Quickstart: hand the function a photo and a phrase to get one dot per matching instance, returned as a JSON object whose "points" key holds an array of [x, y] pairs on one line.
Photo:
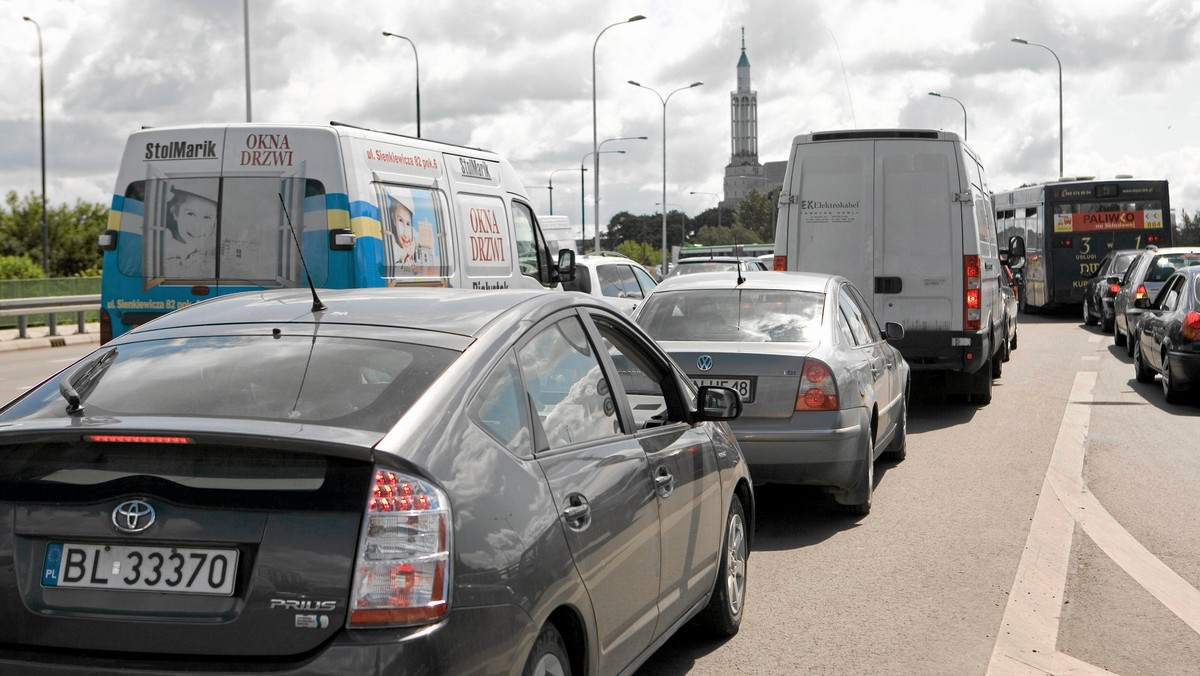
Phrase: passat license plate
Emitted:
{"points": [[138, 568], [743, 386]]}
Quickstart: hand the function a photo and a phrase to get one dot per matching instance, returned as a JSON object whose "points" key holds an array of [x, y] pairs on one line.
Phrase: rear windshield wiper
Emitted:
{"points": [[81, 383]]}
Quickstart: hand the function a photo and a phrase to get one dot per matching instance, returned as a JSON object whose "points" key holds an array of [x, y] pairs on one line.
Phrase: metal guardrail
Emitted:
{"points": [[23, 308]]}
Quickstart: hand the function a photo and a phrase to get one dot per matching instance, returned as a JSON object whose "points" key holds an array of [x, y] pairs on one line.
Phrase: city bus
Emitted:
{"points": [[202, 211], [1069, 226], [739, 250]]}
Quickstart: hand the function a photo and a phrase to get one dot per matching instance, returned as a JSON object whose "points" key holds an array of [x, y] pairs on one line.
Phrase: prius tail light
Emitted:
{"points": [[1140, 292], [401, 576], [818, 388], [972, 288]]}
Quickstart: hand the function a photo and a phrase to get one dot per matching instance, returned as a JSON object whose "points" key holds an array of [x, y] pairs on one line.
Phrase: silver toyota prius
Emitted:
{"points": [[824, 392], [381, 481]]}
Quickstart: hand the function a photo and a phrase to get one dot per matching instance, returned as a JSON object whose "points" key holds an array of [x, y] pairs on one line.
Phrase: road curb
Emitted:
{"points": [[13, 343]]}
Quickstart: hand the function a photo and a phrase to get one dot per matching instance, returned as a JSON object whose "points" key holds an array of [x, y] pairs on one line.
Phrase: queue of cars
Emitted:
{"points": [[1155, 314]]}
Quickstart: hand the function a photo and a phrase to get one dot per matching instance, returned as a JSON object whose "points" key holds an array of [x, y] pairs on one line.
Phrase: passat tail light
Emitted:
{"points": [[779, 263], [401, 576], [818, 389], [972, 287], [1140, 292], [1191, 326]]}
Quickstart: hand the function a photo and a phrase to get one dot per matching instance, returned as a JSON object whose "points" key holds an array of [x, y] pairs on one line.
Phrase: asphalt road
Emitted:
{"points": [[1056, 530]]}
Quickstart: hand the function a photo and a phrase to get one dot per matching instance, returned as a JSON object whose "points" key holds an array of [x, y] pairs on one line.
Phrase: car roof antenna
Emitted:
{"points": [[741, 279], [317, 304]]}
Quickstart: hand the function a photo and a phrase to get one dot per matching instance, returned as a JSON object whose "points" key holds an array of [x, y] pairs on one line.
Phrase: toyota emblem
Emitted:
{"points": [[133, 516], [704, 363]]}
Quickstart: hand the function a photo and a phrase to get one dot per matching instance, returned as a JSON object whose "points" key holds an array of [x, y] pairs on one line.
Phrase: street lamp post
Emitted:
{"points": [[664, 153], [582, 197], [417, 61], [42, 109], [595, 134], [682, 223], [697, 192], [551, 184], [1060, 99], [960, 103], [246, 40]]}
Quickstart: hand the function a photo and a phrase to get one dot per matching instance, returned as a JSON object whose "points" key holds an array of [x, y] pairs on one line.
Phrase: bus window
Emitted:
{"points": [[416, 243]]}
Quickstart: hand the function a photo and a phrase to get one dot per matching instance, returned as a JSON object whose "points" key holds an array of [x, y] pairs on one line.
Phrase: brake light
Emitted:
{"points": [[1191, 325], [1114, 289], [818, 389], [1140, 292], [401, 576], [135, 439], [972, 287], [779, 264]]}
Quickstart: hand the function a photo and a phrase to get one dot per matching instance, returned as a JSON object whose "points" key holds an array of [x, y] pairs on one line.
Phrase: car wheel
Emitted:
{"points": [[1140, 370], [1088, 319], [898, 448], [1013, 344], [549, 655], [998, 360], [1173, 395], [1106, 324], [866, 484], [723, 615], [1128, 343], [982, 391], [1006, 348], [1118, 337]]}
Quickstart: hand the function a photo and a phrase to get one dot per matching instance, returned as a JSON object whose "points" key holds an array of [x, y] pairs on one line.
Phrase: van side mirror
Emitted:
{"points": [[1016, 252], [566, 265], [893, 331]]}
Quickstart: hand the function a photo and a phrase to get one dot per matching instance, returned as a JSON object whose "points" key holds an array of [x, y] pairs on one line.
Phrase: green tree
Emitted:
{"points": [[73, 233], [640, 252], [754, 214], [736, 234], [19, 267], [1188, 232]]}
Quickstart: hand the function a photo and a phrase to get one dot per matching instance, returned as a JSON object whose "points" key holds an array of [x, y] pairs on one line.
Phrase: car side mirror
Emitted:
{"points": [[566, 265], [718, 403], [1142, 303], [1112, 279], [893, 331], [1016, 250]]}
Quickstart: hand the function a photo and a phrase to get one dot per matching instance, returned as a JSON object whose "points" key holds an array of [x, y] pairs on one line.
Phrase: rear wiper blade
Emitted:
{"points": [[81, 383]]}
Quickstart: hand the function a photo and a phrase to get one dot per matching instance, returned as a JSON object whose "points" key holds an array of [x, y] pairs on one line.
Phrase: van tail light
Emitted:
{"points": [[972, 288], [1191, 326], [818, 389], [1140, 293], [779, 264], [401, 576]]}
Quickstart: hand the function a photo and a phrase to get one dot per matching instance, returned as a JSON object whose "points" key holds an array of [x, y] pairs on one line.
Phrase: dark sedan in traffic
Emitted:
{"points": [[1167, 336], [389, 481]]}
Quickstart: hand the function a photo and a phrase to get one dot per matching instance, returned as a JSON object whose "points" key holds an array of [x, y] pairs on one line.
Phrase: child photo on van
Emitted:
{"points": [[414, 246], [192, 225]]}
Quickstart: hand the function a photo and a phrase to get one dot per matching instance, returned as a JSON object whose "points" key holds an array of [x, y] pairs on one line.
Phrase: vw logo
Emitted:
{"points": [[133, 516], [704, 363]]}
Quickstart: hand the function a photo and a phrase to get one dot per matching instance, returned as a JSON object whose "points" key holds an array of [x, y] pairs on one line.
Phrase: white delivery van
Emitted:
{"points": [[906, 215], [200, 211]]}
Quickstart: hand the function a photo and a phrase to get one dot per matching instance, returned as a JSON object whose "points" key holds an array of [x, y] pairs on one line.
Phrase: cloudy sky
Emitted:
{"points": [[516, 78]]}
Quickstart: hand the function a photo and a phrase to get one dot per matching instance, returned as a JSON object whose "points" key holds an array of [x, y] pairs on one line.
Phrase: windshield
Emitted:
{"points": [[339, 381], [738, 315]]}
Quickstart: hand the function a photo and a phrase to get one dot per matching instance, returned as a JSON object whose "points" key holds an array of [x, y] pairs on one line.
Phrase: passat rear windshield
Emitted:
{"points": [[348, 382], [736, 315]]}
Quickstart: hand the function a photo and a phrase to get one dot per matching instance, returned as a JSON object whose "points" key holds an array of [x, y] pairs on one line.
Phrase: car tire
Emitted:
{"points": [[722, 617], [1128, 343], [549, 655], [1118, 337], [865, 489], [981, 392], [897, 450], [998, 360], [1172, 394], [1106, 324], [1140, 370], [1013, 344], [1088, 319]]}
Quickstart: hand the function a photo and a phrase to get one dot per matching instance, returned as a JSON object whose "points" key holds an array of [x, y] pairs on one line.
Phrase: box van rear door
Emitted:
{"points": [[918, 236]]}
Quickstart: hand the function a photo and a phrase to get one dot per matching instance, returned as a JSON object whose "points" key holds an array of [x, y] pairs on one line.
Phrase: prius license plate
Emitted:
{"points": [[182, 570], [743, 386]]}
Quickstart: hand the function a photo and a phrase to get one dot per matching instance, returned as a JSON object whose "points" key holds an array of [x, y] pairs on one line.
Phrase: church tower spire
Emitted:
{"points": [[744, 172]]}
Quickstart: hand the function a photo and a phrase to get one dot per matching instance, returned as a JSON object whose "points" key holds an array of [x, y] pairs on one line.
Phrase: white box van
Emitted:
{"points": [[201, 211], [906, 215]]}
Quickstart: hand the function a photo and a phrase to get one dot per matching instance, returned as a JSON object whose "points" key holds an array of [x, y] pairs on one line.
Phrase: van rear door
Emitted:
{"points": [[918, 236]]}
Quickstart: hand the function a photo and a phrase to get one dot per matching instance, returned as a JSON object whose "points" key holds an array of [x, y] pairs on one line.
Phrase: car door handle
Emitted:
{"points": [[664, 481], [578, 513]]}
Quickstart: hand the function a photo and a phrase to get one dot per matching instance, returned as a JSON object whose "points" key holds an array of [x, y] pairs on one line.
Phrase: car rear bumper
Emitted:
{"points": [[791, 452], [468, 641], [1185, 369]]}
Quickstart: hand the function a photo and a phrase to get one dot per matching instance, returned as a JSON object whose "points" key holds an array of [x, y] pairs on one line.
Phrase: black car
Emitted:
{"points": [[1167, 336], [1103, 285], [399, 481]]}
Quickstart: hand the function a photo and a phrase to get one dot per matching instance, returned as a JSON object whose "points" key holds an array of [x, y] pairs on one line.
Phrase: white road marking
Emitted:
{"points": [[1028, 636], [1091, 358], [1095, 339]]}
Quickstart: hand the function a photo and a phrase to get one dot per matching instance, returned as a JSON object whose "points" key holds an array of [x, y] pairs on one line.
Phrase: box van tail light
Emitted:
{"points": [[818, 389], [401, 576], [1191, 326], [779, 263], [972, 288], [1140, 292]]}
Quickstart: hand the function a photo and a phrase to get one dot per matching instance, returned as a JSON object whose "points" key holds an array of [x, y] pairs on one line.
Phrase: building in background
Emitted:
{"points": [[744, 172]]}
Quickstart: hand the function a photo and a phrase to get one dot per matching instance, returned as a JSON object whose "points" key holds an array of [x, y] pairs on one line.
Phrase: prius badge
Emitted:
{"points": [[704, 363], [133, 516]]}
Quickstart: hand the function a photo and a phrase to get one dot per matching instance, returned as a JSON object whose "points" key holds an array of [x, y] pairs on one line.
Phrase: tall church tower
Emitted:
{"points": [[744, 172]]}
